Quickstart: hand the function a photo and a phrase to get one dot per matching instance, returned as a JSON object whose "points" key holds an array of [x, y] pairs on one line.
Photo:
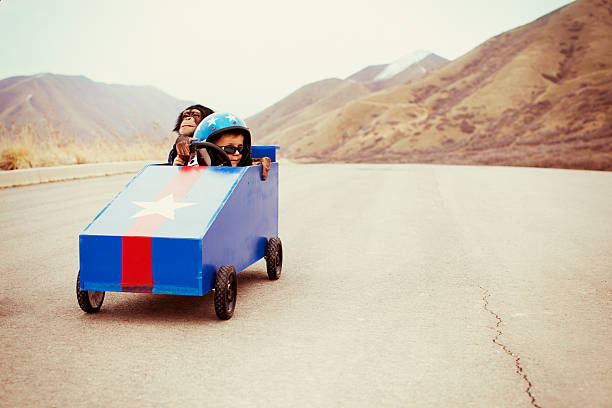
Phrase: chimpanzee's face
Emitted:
{"points": [[191, 119]]}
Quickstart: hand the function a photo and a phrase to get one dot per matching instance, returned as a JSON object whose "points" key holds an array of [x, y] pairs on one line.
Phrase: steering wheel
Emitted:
{"points": [[224, 157]]}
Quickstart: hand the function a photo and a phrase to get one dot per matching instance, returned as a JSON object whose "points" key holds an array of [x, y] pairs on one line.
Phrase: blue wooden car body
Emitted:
{"points": [[171, 228]]}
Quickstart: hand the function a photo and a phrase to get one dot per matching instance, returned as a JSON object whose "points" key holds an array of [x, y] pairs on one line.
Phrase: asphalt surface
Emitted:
{"points": [[402, 285]]}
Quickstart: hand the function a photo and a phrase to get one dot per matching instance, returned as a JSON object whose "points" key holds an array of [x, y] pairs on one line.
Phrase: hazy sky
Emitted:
{"points": [[241, 56]]}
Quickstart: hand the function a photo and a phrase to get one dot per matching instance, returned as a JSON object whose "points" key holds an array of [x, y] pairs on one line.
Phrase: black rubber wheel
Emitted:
{"points": [[274, 258], [226, 289], [90, 301]]}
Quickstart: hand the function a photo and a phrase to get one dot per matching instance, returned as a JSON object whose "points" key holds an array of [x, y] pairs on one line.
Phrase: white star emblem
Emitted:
{"points": [[164, 207], [231, 118], [211, 121]]}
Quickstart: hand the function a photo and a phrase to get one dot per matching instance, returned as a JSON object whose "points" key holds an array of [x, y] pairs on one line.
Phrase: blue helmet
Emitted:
{"points": [[211, 127], [214, 125]]}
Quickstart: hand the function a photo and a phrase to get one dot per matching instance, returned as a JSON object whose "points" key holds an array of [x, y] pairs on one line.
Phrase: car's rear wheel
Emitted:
{"points": [[274, 258], [90, 301], [226, 290]]}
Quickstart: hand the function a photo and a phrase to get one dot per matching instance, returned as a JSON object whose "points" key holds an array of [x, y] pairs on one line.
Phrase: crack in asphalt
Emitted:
{"points": [[517, 359]]}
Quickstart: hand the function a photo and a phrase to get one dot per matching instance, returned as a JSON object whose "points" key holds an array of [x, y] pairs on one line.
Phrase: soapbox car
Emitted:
{"points": [[184, 231]]}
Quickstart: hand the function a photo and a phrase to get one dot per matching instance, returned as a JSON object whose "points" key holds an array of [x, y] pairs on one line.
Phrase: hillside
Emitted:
{"points": [[318, 98], [76, 107], [306, 103], [538, 95]]}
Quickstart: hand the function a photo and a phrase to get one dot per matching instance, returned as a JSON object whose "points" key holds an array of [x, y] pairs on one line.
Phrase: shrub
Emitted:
{"points": [[16, 157], [23, 148]]}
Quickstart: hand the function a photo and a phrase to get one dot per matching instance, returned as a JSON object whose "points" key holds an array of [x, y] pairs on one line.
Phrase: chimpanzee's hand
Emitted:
{"points": [[182, 145], [178, 161], [265, 166]]}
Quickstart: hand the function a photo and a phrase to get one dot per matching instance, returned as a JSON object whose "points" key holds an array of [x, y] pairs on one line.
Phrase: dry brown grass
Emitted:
{"points": [[22, 148]]}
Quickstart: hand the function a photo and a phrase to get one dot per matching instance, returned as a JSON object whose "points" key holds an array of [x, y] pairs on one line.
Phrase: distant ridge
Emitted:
{"points": [[79, 108], [367, 74], [320, 97], [411, 72], [401, 64], [538, 95]]}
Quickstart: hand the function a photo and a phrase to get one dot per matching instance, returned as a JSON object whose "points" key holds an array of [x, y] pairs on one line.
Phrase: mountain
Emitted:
{"points": [[401, 64], [77, 107], [410, 72], [368, 74], [318, 98], [308, 102], [538, 95]]}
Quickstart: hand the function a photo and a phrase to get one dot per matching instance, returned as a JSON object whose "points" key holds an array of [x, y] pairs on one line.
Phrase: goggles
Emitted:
{"points": [[233, 149]]}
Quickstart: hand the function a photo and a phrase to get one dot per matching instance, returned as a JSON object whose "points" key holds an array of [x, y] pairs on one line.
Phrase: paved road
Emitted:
{"points": [[403, 285]]}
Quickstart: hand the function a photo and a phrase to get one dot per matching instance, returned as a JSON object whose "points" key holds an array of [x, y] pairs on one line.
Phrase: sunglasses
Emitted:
{"points": [[233, 149]]}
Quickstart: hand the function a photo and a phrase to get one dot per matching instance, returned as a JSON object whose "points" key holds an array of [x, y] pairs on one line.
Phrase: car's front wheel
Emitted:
{"points": [[226, 290], [90, 301], [274, 258]]}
